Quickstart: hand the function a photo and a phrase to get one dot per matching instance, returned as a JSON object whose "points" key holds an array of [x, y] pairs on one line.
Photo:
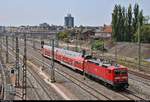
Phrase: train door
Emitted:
{"points": [[78, 65]]}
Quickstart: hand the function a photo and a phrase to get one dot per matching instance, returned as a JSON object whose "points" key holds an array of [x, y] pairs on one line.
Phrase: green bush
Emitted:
{"points": [[98, 45], [62, 35]]}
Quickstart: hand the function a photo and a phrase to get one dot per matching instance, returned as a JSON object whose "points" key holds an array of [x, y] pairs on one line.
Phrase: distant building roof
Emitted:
{"points": [[87, 30], [107, 29]]}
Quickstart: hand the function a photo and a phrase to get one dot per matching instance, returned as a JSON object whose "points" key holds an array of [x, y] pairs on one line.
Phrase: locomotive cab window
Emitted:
{"points": [[123, 72], [96, 63], [93, 62], [117, 72], [120, 72], [88, 57], [105, 66]]}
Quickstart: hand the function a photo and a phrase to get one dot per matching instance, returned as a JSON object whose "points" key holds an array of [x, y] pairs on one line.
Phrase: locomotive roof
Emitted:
{"points": [[106, 64]]}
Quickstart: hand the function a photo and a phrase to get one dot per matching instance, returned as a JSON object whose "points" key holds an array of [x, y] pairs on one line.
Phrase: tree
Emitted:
{"points": [[63, 35], [141, 20], [135, 19], [126, 33], [129, 23], [141, 17], [125, 22], [120, 24], [114, 22], [145, 34]]}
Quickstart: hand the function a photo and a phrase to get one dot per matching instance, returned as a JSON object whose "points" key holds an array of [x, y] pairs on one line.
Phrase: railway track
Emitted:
{"points": [[73, 78], [108, 57], [63, 73], [134, 65], [139, 74], [77, 82], [38, 42], [137, 97], [2, 94], [127, 93], [39, 80], [35, 90], [95, 93], [148, 84], [130, 71]]}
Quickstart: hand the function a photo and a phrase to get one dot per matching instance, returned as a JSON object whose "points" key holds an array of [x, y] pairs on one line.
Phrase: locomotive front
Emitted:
{"points": [[120, 77]]}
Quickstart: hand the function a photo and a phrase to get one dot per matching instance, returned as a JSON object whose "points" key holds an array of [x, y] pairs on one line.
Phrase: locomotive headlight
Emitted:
{"points": [[124, 77], [117, 77]]}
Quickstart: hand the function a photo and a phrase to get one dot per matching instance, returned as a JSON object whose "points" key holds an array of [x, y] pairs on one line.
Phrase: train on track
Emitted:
{"points": [[111, 74]]}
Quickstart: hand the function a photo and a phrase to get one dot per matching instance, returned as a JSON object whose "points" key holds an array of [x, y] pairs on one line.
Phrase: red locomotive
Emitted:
{"points": [[113, 74]]}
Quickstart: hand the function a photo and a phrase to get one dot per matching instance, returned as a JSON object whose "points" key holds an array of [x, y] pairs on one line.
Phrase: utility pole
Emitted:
{"points": [[76, 41], [83, 55], [91, 42], [116, 51], [6, 49], [24, 83], [17, 62], [1, 42], [0, 46], [68, 43], [33, 41], [3, 38], [67, 46], [139, 43], [42, 44], [57, 40], [13, 41], [79, 40], [103, 50], [52, 69], [80, 35]]}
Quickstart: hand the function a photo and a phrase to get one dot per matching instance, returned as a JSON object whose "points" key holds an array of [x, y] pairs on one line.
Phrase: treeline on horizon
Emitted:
{"points": [[125, 24]]}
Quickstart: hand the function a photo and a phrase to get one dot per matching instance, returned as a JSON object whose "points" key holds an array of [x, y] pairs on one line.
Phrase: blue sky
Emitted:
{"points": [[86, 12]]}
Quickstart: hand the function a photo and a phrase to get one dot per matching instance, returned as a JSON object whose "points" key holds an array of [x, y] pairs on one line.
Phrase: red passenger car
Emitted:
{"points": [[113, 74]]}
